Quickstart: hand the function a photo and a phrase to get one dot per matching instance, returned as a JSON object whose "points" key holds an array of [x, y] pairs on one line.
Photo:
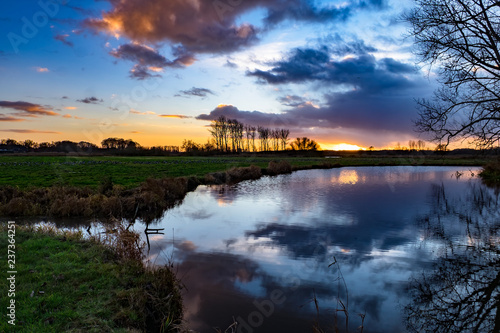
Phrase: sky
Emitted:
{"points": [[158, 71]]}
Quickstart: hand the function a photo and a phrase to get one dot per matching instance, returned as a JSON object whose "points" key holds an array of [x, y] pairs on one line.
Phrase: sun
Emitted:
{"points": [[343, 146]]}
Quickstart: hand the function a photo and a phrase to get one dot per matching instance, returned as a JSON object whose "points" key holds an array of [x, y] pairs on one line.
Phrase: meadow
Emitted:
{"points": [[33, 171]]}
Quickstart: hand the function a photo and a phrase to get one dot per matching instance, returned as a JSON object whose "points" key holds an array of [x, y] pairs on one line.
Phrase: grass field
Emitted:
{"points": [[44, 171], [64, 283]]}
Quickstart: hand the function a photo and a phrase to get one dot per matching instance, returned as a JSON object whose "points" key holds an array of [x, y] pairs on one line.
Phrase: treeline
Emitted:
{"points": [[109, 145], [230, 135], [227, 136]]}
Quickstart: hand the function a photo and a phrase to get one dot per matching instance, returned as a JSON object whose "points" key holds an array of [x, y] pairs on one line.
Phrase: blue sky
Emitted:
{"points": [[158, 71]]}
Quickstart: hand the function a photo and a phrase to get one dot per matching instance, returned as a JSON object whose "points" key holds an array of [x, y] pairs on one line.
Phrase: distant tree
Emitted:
{"points": [[412, 145], [45, 145], [441, 147], [371, 148], [284, 137], [304, 143], [84, 145], [190, 146], [253, 134], [30, 144], [209, 146], [421, 145], [264, 138], [10, 142]]}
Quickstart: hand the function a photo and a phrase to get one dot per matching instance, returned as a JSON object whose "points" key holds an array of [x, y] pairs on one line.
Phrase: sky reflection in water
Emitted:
{"points": [[239, 247]]}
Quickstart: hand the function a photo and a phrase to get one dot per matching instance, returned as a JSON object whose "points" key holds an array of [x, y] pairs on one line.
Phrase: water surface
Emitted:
{"points": [[281, 253]]}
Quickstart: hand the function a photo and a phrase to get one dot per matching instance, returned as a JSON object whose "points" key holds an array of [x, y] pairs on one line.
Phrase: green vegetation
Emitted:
{"points": [[491, 173], [64, 283], [144, 187], [43, 171]]}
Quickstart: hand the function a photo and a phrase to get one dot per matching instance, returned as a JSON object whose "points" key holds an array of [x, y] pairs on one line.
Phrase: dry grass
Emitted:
{"points": [[235, 175], [278, 168]]}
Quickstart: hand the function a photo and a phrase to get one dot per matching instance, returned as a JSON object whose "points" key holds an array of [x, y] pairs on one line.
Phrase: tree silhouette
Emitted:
{"points": [[304, 143], [462, 37], [462, 294]]}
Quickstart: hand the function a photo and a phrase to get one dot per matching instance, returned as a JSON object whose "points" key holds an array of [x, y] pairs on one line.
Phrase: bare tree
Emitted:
{"points": [[253, 132], [462, 293], [264, 138], [304, 143], [420, 144], [284, 134], [462, 37]]}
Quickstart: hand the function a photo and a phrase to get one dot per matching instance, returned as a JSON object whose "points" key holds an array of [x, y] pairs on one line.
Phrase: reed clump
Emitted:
{"points": [[235, 175], [490, 173], [278, 168]]}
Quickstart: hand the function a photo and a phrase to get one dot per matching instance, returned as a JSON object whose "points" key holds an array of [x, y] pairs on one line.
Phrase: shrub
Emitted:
{"points": [[235, 175], [278, 168]]}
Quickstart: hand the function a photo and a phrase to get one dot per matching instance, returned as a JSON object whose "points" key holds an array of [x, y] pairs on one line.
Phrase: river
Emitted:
{"points": [[285, 253]]}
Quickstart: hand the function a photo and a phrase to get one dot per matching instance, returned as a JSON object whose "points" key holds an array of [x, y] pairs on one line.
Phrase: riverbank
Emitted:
{"points": [[110, 198], [65, 283]]}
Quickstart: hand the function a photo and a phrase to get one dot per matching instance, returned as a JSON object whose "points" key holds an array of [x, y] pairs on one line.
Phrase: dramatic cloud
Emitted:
{"points": [[90, 100], [362, 91], [70, 107], [198, 92], [26, 131], [150, 60], [26, 109], [256, 118], [64, 39], [207, 26]]}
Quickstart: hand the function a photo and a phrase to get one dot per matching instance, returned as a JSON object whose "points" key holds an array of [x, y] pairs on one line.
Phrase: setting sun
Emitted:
{"points": [[342, 146]]}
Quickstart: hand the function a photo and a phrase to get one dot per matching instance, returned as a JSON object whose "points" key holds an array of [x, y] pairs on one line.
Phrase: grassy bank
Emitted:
{"points": [[64, 283], [142, 187], [129, 172]]}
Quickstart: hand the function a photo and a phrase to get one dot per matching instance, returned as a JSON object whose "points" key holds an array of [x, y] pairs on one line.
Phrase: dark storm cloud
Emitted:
{"points": [[197, 92], [255, 118], [208, 26], [364, 92], [90, 100], [359, 70], [148, 59]]}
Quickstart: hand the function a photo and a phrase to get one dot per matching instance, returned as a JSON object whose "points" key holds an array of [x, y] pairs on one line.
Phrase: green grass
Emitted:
{"points": [[44, 171], [67, 284]]}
